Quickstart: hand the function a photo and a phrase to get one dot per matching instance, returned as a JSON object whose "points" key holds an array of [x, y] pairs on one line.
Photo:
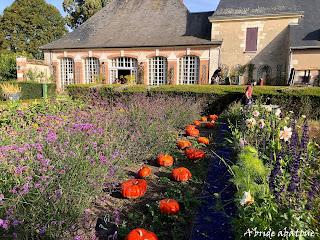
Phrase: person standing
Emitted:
{"points": [[248, 95], [216, 76]]}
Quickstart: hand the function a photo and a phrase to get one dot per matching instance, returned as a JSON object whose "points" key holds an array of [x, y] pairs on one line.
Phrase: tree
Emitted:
{"points": [[79, 11], [28, 24], [8, 69]]}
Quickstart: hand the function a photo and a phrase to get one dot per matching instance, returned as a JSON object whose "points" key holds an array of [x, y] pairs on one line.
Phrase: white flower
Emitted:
{"points": [[242, 142], [278, 112], [256, 113], [304, 116], [261, 123], [291, 112], [286, 134], [247, 199], [268, 108], [251, 122]]}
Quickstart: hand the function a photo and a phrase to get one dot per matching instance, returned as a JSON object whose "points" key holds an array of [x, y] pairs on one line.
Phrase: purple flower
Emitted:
{"points": [[116, 215], [5, 224], [42, 231], [77, 238], [103, 159], [58, 193], [25, 189], [275, 173], [16, 223], [51, 136]]}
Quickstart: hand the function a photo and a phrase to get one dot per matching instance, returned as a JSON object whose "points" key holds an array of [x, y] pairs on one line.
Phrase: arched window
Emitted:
{"points": [[189, 70], [67, 72], [158, 71], [92, 70]]}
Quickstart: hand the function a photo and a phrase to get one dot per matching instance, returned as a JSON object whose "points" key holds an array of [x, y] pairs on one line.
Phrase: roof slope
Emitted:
{"points": [[139, 23], [307, 33], [245, 8]]}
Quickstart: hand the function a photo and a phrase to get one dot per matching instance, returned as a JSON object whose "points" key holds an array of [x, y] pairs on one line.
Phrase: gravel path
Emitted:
{"points": [[213, 221]]}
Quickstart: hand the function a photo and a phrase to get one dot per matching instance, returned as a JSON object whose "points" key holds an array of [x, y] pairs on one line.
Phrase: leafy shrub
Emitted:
{"points": [[33, 90], [8, 70], [218, 97]]}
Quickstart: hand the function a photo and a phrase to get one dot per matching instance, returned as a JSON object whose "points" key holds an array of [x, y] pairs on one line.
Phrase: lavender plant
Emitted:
{"points": [[56, 158]]}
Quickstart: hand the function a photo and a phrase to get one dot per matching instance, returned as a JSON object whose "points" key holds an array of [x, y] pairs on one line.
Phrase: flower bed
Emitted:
{"points": [[62, 164], [302, 100], [277, 174]]}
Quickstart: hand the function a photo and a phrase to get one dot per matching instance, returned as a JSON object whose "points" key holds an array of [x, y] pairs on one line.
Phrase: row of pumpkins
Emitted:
{"points": [[137, 188]]}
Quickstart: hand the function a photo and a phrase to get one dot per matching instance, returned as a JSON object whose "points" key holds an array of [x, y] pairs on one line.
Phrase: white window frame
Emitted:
{"points": [[158, 71], [92, 69], [189, 70], [67, 72], [122, 63]]}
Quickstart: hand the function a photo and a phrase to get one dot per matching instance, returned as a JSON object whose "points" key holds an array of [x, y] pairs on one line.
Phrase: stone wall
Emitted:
{"points": [[37, 67], [306, 62], [272, 48]]}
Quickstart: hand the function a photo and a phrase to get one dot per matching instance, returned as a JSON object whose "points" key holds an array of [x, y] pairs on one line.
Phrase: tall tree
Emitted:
{"points": [[28, 24], [79, 11]]}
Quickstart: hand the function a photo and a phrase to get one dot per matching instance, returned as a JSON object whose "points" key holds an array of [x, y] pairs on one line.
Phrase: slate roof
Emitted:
{"points": [[307, 33], [139, 23], [246, 8]]}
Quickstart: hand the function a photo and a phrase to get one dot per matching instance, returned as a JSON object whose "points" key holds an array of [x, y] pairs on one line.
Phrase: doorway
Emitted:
{"points": [[123, 66]]}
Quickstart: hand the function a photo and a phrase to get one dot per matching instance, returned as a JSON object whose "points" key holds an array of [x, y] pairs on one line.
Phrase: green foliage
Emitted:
{"points": [[300, 100], [8, 69], [250, 173], [33, 90], [28, 24], [38, 76], [79, 11]]}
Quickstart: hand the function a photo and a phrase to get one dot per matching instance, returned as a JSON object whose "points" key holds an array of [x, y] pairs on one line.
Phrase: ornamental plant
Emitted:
{"points": [[57, 157], [277, 172]]}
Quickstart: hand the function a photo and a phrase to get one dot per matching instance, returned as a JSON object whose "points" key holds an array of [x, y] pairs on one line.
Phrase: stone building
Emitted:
{"points": [[158, 42]]}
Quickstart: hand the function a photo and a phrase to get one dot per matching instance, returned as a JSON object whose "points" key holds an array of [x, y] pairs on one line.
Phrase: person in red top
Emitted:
{"points": [[248, 95]]}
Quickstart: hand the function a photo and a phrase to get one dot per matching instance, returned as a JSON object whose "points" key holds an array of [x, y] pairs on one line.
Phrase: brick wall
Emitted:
{"points": [[208, 57]]}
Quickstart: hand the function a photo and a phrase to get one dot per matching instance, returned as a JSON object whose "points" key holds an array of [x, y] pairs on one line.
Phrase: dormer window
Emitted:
{"points": [[252, 39]]}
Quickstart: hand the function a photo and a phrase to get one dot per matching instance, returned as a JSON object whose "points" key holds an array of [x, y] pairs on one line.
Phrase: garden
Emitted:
{"points": [[138, 164]]}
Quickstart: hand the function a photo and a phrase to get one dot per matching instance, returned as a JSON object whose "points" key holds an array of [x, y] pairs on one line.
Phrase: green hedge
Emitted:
{"points": [[33, 90], [302, 100]]}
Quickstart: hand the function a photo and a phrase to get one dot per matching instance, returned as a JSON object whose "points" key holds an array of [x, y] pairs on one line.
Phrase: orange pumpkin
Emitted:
{"points": [[144, 172], [195, 154], [141, 234], [183, 144], [204, 119], [181, 174], [192, 132], [169, 206], [191, 127], [210, 125], [213, 117], [203, 140], [165, 160], [197, 123], [134, 188]]}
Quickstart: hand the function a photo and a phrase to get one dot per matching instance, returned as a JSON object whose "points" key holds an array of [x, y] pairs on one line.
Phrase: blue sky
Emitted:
{"points": [[193, 5]]}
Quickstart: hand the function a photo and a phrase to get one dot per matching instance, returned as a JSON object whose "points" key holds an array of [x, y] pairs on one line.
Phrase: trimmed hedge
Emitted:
{"points": [[33, 90], [301, 100]]}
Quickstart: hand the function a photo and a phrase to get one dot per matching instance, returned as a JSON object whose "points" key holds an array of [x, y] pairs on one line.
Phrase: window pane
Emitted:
{"points": [[158, 71]]}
